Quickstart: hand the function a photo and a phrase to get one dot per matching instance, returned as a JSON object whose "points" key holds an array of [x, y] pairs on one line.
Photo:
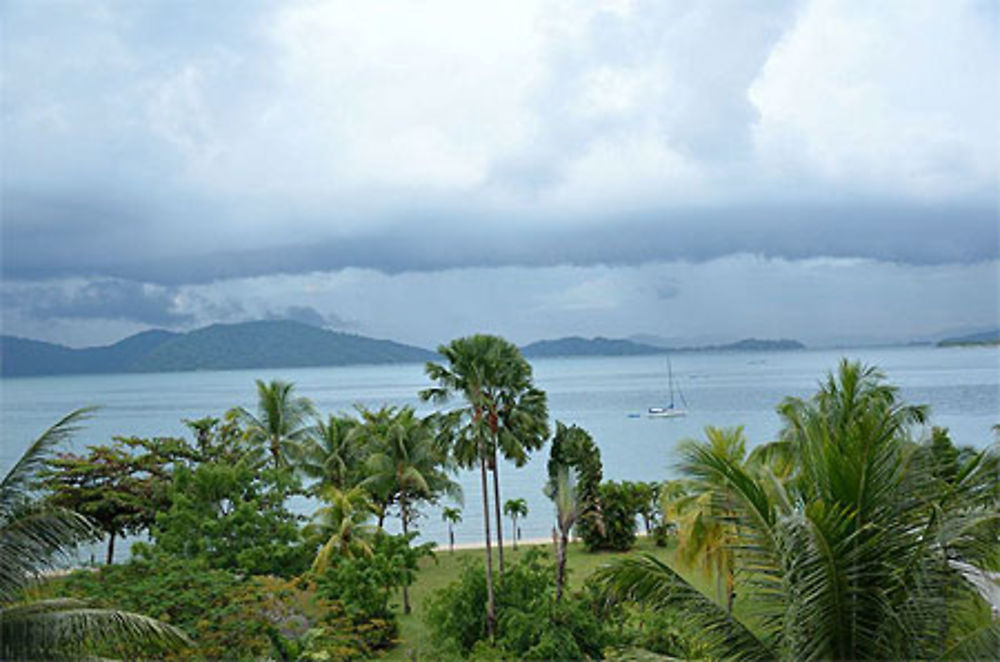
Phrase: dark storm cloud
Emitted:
{"points": [[915, 235], [110, 299]]}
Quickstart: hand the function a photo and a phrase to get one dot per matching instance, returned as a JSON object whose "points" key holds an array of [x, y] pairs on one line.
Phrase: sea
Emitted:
{"points": [[607, 396]]}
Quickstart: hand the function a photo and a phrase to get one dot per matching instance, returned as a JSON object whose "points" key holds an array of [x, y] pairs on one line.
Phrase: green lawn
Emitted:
{"points": [[415, 642]]}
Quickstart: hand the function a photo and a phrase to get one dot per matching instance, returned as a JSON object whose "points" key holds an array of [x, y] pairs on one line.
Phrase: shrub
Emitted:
{"points": [[619, 510], [531, 625], [228, 616]]}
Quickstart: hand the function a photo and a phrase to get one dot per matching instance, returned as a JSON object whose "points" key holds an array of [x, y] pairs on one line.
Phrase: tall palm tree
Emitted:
{"points": [[452, 516], [34, 536], [515, 508], [509, 412], [405, 464], [564, 496], [281, 419], [503, 411], [330, 454], [860, 552]]}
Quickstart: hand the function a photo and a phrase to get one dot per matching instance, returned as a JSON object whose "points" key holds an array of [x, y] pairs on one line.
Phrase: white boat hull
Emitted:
{"points": [[663, 412]]}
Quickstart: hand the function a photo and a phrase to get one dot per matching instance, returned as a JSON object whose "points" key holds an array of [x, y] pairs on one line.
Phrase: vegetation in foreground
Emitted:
{"points": [[846, 538]]}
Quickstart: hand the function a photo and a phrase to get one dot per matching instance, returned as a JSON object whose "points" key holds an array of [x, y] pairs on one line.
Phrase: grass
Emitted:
{"points": [[415, 637]]}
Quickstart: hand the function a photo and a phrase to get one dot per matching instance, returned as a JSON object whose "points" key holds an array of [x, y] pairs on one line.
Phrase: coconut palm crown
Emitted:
{"points": [[857, 548]]}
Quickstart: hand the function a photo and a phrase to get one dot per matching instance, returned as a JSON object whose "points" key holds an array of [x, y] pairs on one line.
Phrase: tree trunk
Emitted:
{"points": [[561, 543], [451, 539], [406, 590], [111, 549], [496, 507], [491, 615], [513, 531]]}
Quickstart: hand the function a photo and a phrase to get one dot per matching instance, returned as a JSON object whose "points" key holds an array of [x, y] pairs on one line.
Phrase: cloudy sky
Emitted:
{"points": [[420, 170]]}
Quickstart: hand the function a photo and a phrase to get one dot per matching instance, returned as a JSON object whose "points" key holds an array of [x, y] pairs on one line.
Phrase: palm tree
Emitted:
{"points": [[706, 531], [452, 516], [330, 453], [343, 523], [513, 509], [567, 511], [404, 464], [34, 536], [861, 552], [510, 414], [502, 410], [281, 418]]}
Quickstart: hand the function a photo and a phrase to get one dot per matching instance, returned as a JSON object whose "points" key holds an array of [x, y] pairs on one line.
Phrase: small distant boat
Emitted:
{"points": [[670, 411]]}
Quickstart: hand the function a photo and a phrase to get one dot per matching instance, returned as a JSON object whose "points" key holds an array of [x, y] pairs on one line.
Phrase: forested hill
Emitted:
{"points": [[577, 346], [984, 338], [264, 344]]}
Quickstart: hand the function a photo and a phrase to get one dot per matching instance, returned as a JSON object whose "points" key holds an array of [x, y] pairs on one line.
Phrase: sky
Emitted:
{"points": [[702, 171]]}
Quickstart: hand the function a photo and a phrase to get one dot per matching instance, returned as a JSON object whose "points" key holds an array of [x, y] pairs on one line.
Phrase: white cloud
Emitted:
{"points": [[894, 98]]}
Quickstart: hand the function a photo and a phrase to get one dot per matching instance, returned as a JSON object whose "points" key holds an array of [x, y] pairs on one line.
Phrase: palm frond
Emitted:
{"points": [[649, 582], [64, 628], [16, 485]]}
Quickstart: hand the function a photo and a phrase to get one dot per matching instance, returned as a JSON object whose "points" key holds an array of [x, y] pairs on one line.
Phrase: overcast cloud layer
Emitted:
{"points": [[172, 164]]}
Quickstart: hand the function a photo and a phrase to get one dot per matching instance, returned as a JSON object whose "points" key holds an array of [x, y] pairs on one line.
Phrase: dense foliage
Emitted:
{"points": [[849, 540], [531, 624], [233, 616]]}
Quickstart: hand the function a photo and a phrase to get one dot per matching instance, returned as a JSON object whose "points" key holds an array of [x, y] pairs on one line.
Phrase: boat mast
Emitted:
{"points": [[670, 381]]}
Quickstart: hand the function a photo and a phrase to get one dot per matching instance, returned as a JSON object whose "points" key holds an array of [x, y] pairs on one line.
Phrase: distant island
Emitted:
{"points": [[577, 346], [983, 338], [263, 344]]}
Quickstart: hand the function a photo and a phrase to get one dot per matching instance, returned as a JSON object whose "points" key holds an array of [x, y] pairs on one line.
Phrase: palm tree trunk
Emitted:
{"points": [[451, 539], [560, 565], [404, 517], [491, 615], [111, 549], [513, 531], [496, 506]]}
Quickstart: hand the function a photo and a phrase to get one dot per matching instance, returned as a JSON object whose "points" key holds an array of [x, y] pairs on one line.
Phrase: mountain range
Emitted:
{"points": [[285, 344], [263, 344]]}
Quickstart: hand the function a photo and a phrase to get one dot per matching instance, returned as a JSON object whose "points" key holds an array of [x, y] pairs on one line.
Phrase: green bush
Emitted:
{"points": [[531, 625], [227, 616], [619, 511], [233, 517]]}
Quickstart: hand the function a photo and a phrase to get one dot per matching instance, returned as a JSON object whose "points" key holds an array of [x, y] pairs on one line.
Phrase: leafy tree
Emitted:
{"points": [[365, 585], [404, 464], [618, 505], [515, 508], [504, 412], [859, 551], [573, 447], [233, 516], [118, 491], [281, 419], [452, 516], [34, 536]]}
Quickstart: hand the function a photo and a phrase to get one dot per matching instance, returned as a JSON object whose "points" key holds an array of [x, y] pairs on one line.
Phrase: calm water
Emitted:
{"points": [[962, 386]]}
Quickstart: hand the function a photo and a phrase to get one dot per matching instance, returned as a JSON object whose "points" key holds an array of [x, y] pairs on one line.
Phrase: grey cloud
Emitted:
{"points": [[907, 234], [100, 299], [312, 317]]}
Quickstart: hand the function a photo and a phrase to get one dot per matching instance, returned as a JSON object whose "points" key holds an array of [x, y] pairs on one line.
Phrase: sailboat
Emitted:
{"points": [[670, 411]]}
